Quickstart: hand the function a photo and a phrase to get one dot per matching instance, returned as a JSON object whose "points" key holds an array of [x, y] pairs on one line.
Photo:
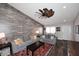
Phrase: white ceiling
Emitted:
{"points": [[64, 12]]}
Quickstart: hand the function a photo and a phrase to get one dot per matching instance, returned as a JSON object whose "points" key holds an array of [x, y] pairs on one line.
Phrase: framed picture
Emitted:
{"points": [[77, 29], [57, 28]]}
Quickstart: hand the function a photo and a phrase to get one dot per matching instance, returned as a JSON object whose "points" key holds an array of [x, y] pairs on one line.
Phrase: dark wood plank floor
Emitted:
{"points": [[65, 48]]}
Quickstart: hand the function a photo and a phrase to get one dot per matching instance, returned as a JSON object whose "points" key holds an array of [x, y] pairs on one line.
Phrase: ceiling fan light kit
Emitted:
{"points": [[46, 12]]}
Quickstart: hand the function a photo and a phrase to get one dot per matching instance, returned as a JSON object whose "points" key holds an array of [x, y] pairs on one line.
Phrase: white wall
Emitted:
{"points": [[66, 32]]}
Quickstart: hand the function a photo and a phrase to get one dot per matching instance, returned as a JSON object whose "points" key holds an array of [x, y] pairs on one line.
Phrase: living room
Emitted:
{"points": [[26, 30]]}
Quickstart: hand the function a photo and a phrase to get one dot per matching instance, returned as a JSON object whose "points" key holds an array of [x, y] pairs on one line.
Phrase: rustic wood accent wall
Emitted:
{"points": [[12, 22]]}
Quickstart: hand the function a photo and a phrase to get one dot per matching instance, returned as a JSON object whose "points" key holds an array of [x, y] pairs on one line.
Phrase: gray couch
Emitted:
{"points": [[48, 39], [17, 48]]}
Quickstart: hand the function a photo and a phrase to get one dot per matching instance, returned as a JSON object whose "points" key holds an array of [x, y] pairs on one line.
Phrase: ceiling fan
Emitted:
{"points": [[46, 12]]}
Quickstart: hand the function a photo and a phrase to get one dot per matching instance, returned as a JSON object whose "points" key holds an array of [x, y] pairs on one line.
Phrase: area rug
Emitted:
{"points": [[39, 52]]}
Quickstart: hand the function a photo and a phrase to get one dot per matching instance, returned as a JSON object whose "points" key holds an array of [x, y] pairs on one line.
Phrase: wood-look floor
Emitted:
{"points": [[65, 48]]}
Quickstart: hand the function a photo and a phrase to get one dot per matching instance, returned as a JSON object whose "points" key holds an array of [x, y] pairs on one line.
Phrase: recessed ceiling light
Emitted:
{"points": [[64, 20], [64, 6]]}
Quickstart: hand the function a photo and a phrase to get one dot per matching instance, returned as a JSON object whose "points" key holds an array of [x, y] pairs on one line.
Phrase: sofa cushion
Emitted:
{"points": [[17, 48]]}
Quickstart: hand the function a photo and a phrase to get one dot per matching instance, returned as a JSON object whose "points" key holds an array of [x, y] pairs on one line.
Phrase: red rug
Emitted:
{"points": [[39, 52]]}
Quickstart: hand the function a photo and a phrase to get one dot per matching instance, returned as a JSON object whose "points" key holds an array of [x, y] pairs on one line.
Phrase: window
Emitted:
{"points": [[50, 30], [53, 30]]}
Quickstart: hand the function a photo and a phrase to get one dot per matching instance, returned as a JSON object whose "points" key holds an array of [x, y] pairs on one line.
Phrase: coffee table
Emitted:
{"points": [[33, 47]]}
